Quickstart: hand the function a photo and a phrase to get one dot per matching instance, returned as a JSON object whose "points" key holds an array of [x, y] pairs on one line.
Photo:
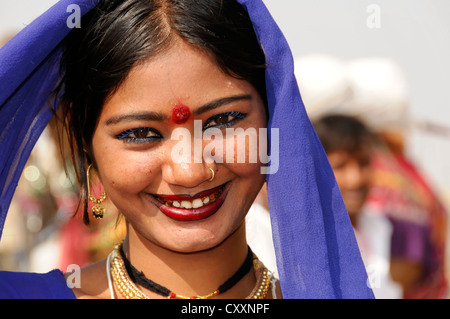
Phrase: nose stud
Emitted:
{"points": [[213, 174]]}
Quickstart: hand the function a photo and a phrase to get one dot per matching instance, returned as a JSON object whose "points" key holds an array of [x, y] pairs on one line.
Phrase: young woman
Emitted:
{"points": [[143, 82]]}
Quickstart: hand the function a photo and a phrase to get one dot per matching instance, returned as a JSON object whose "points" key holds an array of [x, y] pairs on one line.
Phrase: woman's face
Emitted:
{"points": [[139, 162]]}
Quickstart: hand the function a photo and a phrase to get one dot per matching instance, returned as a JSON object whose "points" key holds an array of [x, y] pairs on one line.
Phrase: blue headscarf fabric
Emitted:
{"points": [[316, 250], [29, 71]]}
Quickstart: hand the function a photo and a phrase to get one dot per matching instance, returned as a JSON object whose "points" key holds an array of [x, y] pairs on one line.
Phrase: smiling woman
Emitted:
{"points": [[185, 74], [166, 79], [132, 75]]}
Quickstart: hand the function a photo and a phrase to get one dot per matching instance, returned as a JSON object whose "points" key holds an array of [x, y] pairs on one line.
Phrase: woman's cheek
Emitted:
{"points": [[131, 174], [241, 152]]}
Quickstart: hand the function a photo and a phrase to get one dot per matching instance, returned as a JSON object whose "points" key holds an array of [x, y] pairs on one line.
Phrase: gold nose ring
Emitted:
{"points": [[213, 174]]}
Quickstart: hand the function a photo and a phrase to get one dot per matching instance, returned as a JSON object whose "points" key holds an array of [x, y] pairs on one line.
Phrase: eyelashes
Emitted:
{"points": [[223, 120], [139, 135], [143, 135]]}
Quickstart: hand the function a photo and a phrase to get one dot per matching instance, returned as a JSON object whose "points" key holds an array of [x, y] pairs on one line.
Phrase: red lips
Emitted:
{"points": [[190, 208]]}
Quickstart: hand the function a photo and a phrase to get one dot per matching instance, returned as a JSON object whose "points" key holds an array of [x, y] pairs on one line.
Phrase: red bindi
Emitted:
{"points": [[180, 114]]}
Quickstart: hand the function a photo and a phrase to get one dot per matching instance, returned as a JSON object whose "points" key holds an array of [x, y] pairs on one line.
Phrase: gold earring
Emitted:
{"points": [[98, 210], [213, 174]]}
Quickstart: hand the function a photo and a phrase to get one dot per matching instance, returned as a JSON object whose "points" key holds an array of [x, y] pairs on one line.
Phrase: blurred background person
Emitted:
{"points": [[375, 90], [381, 97], [349, 146]]}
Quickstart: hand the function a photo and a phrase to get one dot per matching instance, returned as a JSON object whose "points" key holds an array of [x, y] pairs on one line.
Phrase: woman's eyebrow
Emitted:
{"points": [[217, 103], [159, 117], [141, 116]]}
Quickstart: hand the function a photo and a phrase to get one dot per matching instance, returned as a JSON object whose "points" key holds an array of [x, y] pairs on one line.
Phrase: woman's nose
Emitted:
{"points": [[354, 176], [184, 167], [187, 175]]}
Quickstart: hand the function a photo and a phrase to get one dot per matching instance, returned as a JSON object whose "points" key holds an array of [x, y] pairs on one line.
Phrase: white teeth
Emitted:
{"points": [[186, 204], [196, 203], [176, 204]]}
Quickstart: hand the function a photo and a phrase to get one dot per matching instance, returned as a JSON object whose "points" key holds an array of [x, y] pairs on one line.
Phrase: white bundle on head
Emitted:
{"points": [[380, 93], [323, 83], [374, 89]]}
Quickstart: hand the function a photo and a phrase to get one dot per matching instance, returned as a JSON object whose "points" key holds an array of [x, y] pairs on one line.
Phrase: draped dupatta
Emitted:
{"points": [[317, 254]]}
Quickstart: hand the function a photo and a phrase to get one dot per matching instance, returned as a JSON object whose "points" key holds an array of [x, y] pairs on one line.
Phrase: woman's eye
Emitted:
{"points": [[222, 120], [139, 135]]}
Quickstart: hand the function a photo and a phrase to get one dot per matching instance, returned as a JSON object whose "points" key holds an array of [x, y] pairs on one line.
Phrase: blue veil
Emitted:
{"points": [[316, 250]]}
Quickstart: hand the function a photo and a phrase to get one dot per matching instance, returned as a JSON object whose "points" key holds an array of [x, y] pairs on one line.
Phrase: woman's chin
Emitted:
{"points": [[196, 241], [193, 237]]}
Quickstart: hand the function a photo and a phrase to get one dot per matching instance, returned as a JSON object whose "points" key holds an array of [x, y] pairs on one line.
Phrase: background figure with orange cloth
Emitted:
{"points": [[349, 146], [376, 91], [399, 189]]}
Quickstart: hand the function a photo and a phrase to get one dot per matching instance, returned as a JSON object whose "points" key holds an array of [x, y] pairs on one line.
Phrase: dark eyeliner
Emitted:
{"points": [[126, 135], [237, 116]]}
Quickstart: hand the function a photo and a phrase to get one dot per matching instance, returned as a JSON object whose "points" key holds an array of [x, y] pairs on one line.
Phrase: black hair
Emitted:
{"points": [[343, 133], [118, 34]]}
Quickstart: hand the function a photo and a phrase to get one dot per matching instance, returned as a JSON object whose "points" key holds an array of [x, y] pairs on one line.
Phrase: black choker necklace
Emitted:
{"points": [[139, 278]]}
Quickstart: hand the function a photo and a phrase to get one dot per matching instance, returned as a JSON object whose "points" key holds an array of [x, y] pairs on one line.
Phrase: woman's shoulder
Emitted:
{"points": [[93, 283], [24, 285]]}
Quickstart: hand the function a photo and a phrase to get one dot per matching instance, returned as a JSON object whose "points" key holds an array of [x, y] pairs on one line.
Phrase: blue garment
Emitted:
{"points": [[316, 250], [51, 285]]}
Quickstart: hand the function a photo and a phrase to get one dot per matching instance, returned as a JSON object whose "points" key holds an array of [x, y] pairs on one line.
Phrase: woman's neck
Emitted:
{"points": [[192, 274]]}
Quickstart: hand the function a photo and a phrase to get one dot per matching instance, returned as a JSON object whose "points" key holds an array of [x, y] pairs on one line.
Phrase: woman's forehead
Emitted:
{"points": [[175, 83]]}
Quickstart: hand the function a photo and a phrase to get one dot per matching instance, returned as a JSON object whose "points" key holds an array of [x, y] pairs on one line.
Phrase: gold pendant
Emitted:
{"points": [[98, 211]]}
